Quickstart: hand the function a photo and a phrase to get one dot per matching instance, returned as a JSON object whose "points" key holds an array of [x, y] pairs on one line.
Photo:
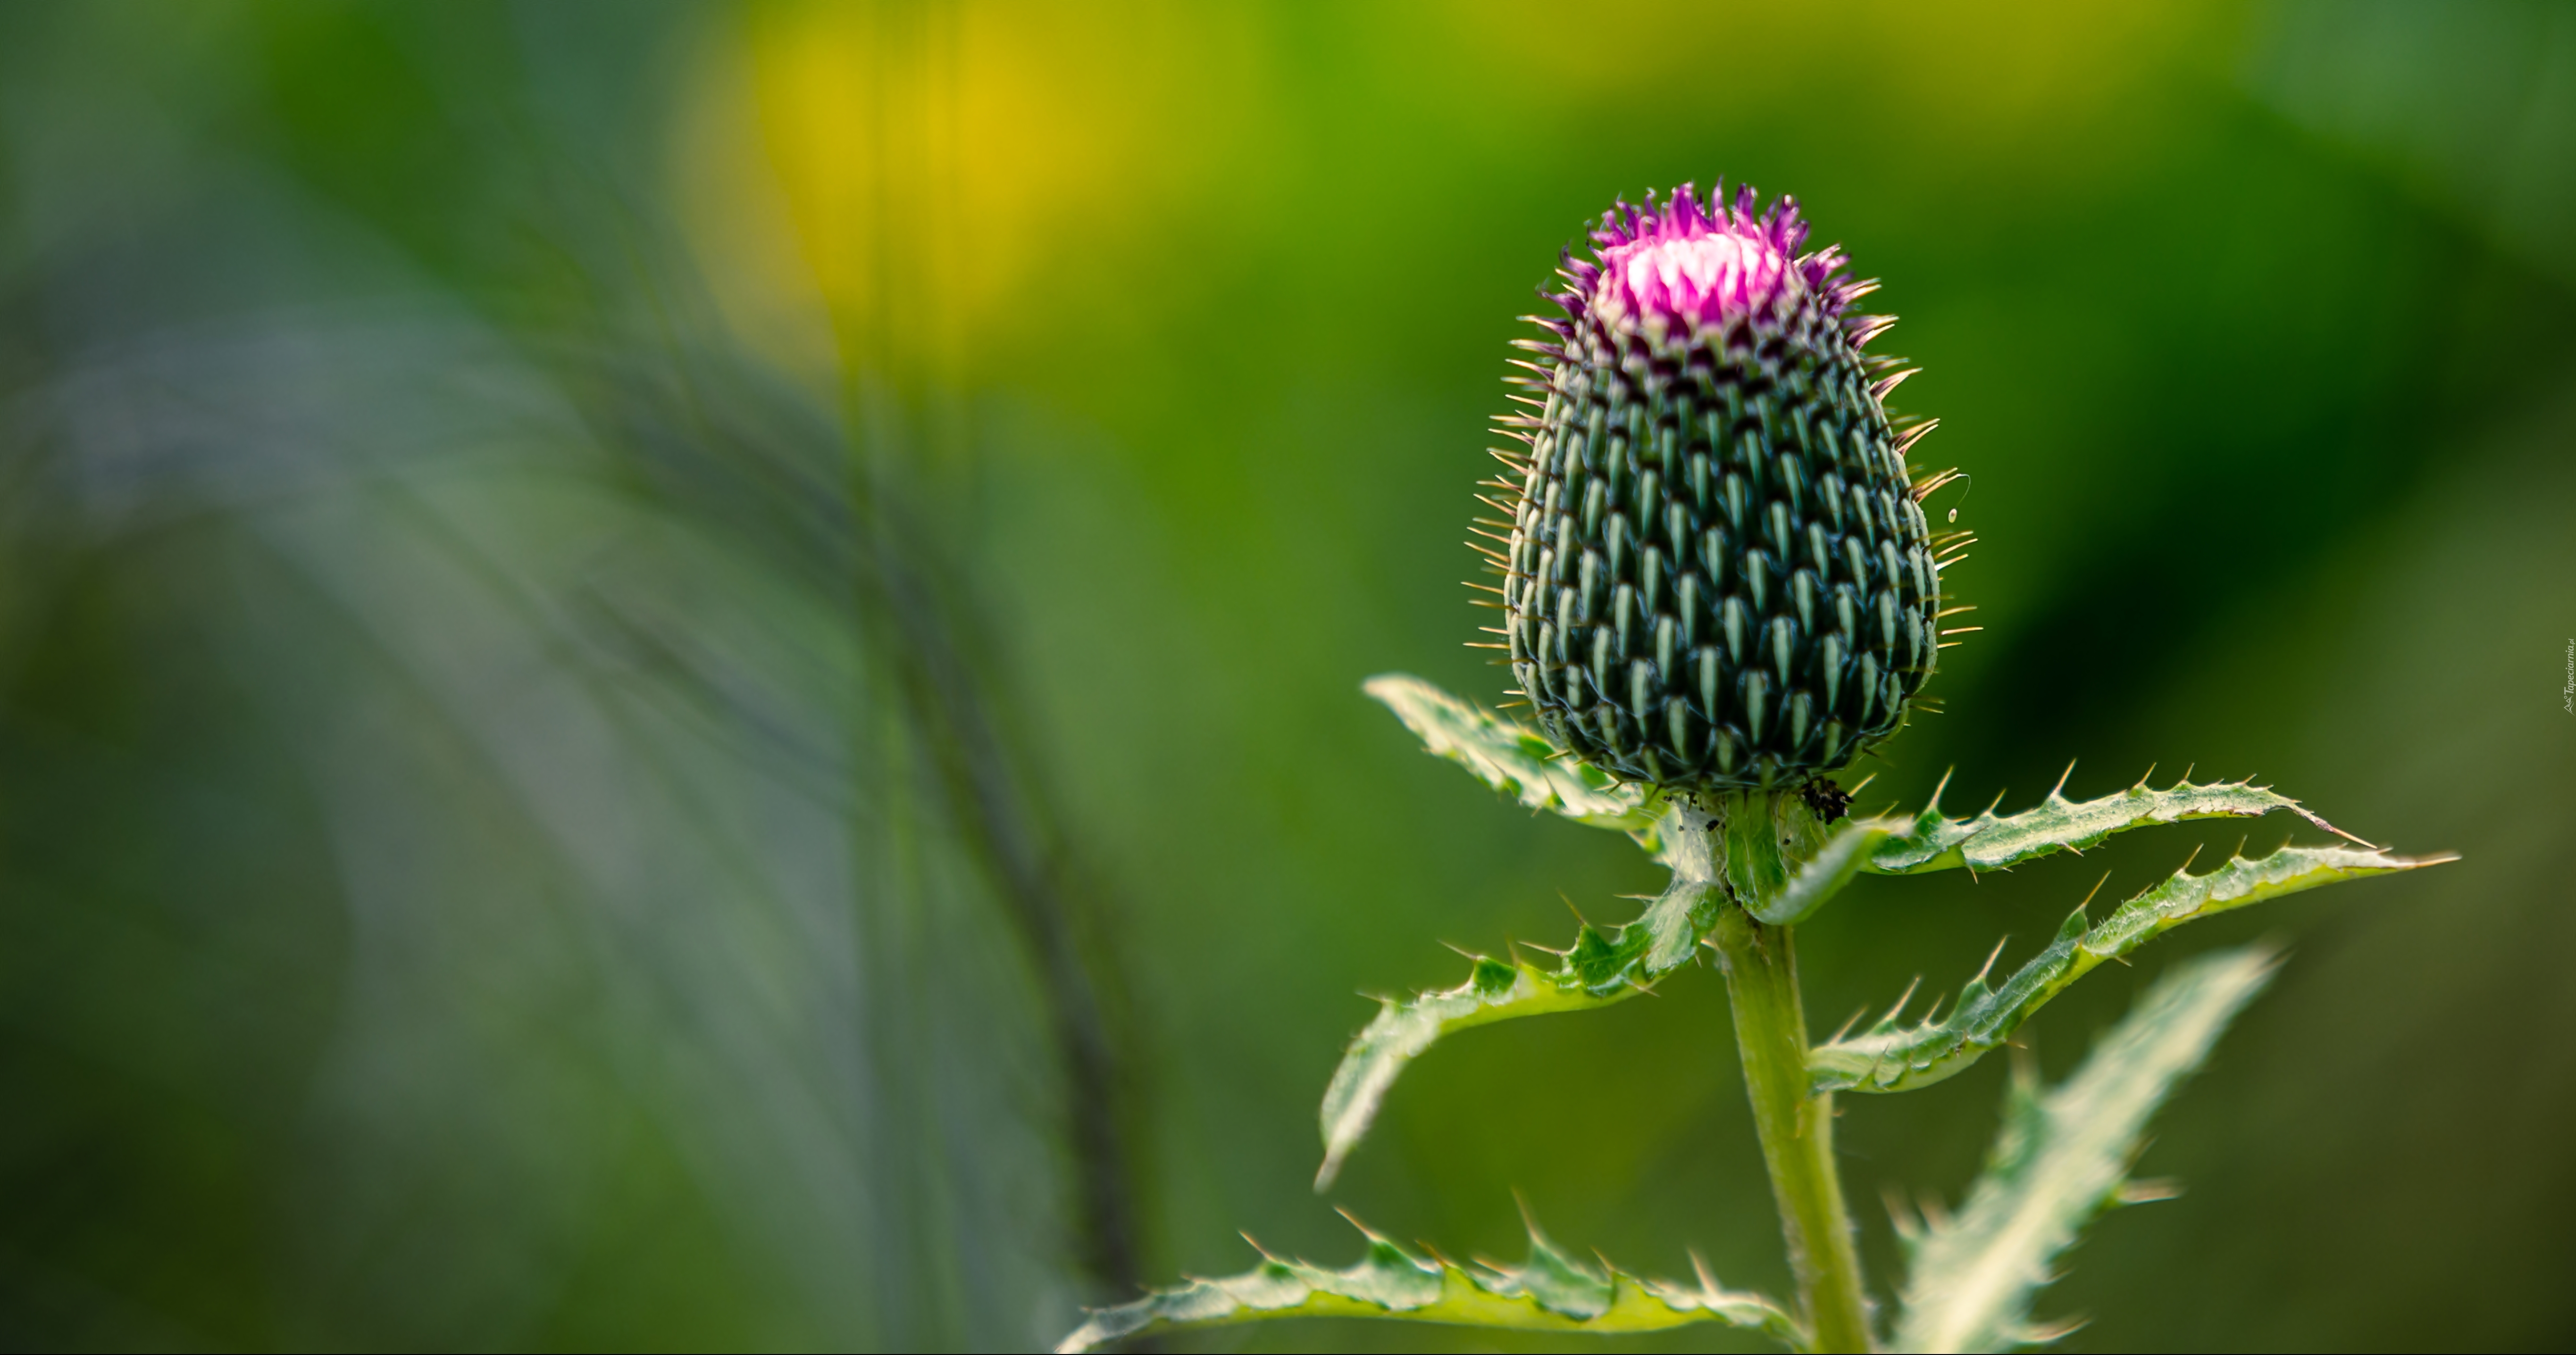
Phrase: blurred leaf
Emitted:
{"points": [[1889, 1057], [1551, 1291], [2060, 1158], [2468, 102], [1992, 842]]}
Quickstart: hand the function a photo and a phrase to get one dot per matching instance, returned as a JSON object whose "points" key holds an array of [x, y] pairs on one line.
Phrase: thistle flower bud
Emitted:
{"points": [[1717, 573]]}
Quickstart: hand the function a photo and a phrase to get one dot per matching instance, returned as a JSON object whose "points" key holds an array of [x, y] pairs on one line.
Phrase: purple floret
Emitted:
{"points": [[1696, 266]]}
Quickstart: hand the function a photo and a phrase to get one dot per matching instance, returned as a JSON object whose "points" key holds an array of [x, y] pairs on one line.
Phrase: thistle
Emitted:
{"points": [[1718, 588], [1717, 573]]}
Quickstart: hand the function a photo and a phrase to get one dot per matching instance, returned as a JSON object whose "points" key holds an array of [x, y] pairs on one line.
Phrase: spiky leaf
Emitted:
{"points": [[1515, 759], [1992, 841], [1552, 1291], [1891, 1056], [2062, 1157], [1600, 969], [1775, 854]]}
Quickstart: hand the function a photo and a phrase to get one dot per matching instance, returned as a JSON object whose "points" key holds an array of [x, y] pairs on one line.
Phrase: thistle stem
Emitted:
{"points": [[1797, 1129]]}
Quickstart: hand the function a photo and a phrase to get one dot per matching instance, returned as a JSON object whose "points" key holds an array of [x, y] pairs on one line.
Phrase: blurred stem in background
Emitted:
{"points": [[894, 243], [1015, 836]]}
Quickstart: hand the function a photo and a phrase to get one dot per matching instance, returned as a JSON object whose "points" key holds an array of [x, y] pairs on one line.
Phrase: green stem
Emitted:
{"points": [[1797, 1129]]}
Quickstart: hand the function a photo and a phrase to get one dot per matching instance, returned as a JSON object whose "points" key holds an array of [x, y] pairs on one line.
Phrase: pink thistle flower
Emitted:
{"points": [[1718, 573], [1704, 266]]}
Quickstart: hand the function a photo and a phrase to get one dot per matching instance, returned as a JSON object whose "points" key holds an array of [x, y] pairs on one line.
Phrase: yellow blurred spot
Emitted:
{"points": [[946, 171]]}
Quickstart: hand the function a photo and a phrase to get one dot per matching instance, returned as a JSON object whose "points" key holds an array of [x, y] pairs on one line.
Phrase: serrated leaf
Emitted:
{"points": [[1600, 969], [1772, 852], [1552, 1291], [1516, 759], [1992, 841], [1495, 990], [1891, 1056], [2062, 1157]]}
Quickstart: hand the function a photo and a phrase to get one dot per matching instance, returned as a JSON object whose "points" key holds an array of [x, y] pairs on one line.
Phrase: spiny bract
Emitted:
{"points": [[1717, 573]]}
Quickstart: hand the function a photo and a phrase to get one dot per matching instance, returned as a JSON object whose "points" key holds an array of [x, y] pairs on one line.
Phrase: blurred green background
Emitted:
{"points": [[682, 676]]}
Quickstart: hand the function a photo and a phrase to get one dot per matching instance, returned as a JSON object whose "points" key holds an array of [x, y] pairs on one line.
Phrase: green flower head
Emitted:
{"points": [[1717, 574]]}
